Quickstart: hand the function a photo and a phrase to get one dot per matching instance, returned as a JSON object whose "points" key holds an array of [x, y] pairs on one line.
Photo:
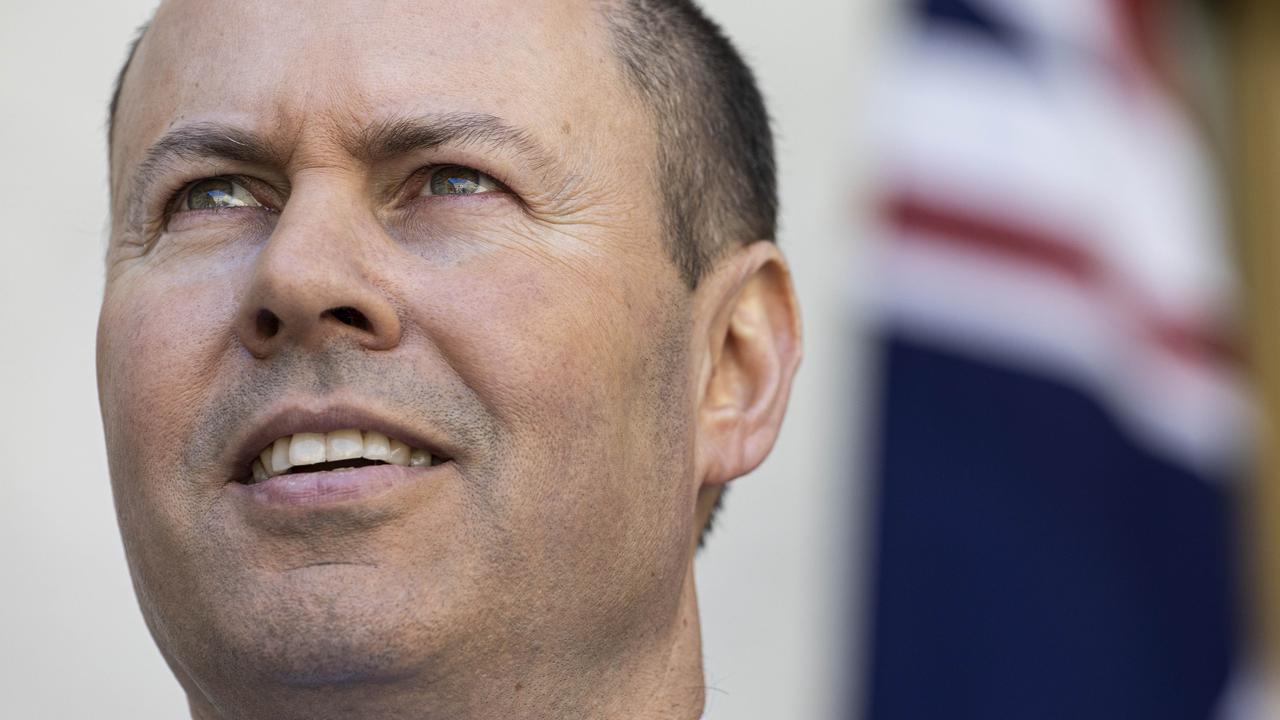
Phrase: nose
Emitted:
{"points": [[316, 281]]}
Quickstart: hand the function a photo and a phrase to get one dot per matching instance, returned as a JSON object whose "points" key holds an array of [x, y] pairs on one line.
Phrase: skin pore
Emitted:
{"points": [[535, 335]]}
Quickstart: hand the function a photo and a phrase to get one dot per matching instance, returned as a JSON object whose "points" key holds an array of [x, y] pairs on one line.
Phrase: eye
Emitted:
{"points": [[458, 180], [216, 193]]}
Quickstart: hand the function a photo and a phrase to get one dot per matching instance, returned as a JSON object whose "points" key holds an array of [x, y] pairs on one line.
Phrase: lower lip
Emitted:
{"points": [[332, 487]]}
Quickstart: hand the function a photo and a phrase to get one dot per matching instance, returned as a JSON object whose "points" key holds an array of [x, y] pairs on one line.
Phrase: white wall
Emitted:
{"points": [[72, 642]]}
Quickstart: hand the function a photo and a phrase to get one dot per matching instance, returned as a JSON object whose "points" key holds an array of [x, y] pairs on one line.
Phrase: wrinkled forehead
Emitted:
{"points": [[303, 70]]}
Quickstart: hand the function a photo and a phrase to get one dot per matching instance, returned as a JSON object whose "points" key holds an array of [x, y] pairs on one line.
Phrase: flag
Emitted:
{"points": [[1059, 419]]}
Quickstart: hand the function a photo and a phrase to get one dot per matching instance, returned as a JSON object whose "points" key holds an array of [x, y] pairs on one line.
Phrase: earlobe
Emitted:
{"points": [[753, 348]]}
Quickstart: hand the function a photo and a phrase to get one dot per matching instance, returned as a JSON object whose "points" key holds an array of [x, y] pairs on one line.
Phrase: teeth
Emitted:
{"points": [[280, 456], [399, 454], [343, 445], [306, 449], [314, 448], [376, 446]]}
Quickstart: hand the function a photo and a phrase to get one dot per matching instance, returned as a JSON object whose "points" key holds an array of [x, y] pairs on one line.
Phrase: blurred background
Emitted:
{"points": [[1019, 477]]}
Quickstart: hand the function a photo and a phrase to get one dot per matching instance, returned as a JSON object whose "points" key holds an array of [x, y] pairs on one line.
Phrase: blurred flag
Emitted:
{"points": [[1059, 422]]}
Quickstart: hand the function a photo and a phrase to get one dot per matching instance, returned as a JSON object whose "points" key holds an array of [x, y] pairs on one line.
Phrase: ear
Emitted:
{"points": [[750, 324]]}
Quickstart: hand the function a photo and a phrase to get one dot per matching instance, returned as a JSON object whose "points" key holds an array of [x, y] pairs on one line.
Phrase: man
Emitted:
{"points": [[432, 333]]}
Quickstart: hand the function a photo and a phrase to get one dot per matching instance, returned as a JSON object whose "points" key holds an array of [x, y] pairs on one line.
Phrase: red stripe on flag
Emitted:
{"points": [[926, 220], [1141, 25]]}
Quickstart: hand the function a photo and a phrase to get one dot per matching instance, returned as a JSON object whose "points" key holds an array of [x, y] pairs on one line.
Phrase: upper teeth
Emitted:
{"points": [[314, 448]]}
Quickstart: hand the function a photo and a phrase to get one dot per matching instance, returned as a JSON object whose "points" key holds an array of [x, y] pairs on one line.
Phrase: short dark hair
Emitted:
{"points": [[715, 150], [115, 93], [714, 160]]}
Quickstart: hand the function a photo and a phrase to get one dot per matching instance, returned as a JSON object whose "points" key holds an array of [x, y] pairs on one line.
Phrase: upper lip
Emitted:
{"points": [[321, 417]]}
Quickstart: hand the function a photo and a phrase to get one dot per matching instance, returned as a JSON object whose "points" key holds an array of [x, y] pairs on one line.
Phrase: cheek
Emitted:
{"points": [[159, 340], [542, 321], [583, 366], [539, 346]]}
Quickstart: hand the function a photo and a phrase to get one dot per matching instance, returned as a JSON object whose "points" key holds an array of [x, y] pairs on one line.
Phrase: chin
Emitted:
{"points": [[328, 627]]}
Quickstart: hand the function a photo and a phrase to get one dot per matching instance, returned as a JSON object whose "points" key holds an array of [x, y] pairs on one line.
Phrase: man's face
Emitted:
{"points": [[534, 338]]}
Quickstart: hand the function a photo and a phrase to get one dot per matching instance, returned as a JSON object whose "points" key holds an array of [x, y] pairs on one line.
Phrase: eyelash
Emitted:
{"points": [[416, 180], [421, 177], [173, 206]]}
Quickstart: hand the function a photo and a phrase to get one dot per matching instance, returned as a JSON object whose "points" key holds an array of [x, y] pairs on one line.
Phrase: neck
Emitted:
{"points": [[675, 689], [661, 680]]}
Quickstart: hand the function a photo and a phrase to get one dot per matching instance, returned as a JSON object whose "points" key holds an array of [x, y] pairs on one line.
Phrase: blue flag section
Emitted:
{"points": [[1034, 562], [1059, 424]]}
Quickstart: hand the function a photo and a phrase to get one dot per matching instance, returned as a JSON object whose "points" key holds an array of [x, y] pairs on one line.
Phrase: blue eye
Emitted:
{"points": [[216, 193], [458, 180]]}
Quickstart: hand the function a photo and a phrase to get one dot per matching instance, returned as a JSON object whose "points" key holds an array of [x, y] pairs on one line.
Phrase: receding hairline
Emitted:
{"points": [[113, 107], [523, 138]]}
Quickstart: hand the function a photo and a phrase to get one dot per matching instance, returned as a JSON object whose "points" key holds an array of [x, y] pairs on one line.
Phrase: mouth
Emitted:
{"points": [[336, 451]]}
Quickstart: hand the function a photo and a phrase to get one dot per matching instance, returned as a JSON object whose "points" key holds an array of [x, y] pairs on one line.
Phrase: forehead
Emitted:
{"points": [[303, 69]]}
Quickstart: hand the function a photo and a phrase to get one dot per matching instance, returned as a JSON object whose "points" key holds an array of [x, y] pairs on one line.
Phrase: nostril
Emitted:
{"points": [[268, 324], [348, 315]]}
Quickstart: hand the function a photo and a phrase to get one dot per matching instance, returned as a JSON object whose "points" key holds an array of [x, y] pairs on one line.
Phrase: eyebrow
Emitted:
{"points": [[381, 140]]}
